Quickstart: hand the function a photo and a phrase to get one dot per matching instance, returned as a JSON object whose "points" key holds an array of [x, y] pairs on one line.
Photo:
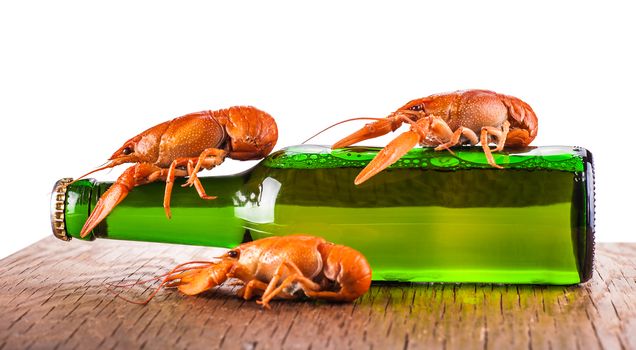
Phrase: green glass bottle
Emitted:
{"points": [[430, 217]]}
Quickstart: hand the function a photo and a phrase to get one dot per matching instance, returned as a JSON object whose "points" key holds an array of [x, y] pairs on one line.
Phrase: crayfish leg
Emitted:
{"points": [[208, 159], [308, 287], [252, 288], [501, 140], [296, 276], [454, 140], [172, 173], [340, 295]]}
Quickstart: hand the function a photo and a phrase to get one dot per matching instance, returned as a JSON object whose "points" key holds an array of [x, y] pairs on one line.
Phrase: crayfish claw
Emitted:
{"points": [[369, 131], [389, 155], [109, 200]]}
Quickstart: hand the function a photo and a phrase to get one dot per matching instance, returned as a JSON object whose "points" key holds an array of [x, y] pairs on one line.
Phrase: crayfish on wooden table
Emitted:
{"points": [[445, 120], [285, 267], [182, 147]]}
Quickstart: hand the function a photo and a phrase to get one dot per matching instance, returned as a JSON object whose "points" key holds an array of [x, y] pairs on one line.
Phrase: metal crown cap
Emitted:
{"points": [[58, 205]]}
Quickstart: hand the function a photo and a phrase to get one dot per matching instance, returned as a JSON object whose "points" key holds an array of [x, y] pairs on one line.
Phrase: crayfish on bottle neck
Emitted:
{"points": [[182, 147]]}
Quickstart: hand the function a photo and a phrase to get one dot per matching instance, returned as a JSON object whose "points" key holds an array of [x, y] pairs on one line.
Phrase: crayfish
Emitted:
{"points": [[286, 267], [445, 120], [182, 147]]}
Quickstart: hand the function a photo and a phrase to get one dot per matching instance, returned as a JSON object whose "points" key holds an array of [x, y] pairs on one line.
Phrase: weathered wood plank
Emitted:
{"points": [[53, 295]]}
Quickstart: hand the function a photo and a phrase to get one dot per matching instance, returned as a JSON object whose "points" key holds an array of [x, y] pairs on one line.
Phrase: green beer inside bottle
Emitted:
{"points": [[432, 216]]}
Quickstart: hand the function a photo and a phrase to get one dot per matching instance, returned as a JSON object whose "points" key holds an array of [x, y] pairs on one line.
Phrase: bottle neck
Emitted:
{"points": [[140, 216]]}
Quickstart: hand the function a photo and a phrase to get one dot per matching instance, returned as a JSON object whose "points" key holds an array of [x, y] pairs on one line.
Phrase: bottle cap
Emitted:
{"points": [[58, 206]]}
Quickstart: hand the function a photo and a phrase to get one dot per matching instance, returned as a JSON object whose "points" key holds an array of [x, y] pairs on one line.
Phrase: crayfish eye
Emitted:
{"points": [[126, 151], [416, 108], [233, 254]]}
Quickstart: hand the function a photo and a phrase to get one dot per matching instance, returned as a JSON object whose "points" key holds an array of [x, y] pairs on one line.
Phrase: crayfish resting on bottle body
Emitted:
{"points": [[445, 120], [285, 267], [182, 147]]}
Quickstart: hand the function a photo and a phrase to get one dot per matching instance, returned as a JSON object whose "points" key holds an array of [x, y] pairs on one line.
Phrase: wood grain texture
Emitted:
{"points": [[52, 295]]}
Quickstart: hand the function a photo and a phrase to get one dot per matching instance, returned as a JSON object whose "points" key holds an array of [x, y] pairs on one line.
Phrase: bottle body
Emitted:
{"points": [[432, 217]]}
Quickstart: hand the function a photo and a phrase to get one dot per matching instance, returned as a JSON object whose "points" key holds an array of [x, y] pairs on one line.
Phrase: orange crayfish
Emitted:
{"points": [[182, 147], [278, 267], [445, 120]]}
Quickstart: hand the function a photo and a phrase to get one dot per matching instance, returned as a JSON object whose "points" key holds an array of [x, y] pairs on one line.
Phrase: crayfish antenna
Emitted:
{"points": [[108, 165], [167, 278], [338, 123], [381, 127]]}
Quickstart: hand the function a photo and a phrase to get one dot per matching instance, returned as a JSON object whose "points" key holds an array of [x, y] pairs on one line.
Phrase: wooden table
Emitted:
{"points": [[52, 295]]}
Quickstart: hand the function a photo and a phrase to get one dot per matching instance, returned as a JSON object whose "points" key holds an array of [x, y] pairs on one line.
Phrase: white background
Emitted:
{"points": [[77, 79]]}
